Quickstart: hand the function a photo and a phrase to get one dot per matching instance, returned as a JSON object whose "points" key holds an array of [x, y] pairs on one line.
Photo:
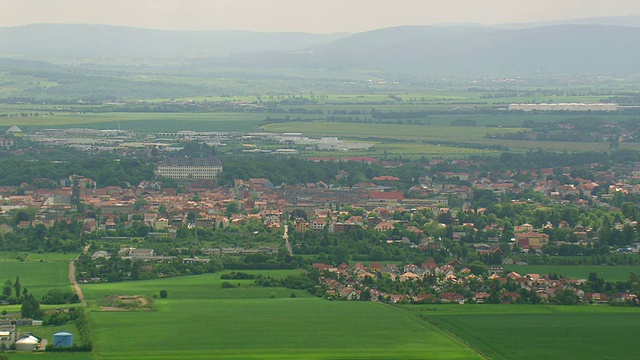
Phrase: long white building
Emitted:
{"points": [[190, 168], [564, 107]]}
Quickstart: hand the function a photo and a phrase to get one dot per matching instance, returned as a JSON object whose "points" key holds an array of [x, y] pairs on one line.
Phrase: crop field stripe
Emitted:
{"points": [[427, 324], [454, 335], [580, 331]]}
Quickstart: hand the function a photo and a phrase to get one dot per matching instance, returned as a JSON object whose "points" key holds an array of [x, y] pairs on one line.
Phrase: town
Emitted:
{"points": [[442, 230]]}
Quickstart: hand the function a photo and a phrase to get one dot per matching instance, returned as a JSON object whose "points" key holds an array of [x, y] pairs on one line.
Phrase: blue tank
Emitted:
{"points": [[63, 339]]}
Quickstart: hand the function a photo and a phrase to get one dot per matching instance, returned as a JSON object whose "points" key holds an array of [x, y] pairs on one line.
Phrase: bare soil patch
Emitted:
{"points": [[126, 303]]}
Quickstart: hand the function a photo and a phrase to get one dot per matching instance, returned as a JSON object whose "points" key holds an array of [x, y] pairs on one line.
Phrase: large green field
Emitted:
{"points": [[608, 273], [539, 332], [438, 134], [151, 122], [403, 132], [200, 320], [435, 137], [38, 272]]}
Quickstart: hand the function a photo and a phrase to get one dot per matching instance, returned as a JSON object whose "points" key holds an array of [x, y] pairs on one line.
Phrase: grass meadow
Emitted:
{"points": [[39, 273], [441, 138], [608, 273], [437, 134], [388, 131], [200, 320], [151, 122], [539, 332]]}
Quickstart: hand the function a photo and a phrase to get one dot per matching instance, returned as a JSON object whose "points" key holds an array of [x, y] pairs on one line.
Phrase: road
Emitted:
{"points": [[72, 278], [286, 239]]}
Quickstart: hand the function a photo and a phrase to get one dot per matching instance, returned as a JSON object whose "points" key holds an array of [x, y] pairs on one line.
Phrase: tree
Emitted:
{"points": [[162, 210], [139, 203], [594, 283], [566, 297], [340, 254], [163, 294], [8, 288], [478, 268], [21, 216], [16, 286], [446, 218], [233, 208], [30, 307]]}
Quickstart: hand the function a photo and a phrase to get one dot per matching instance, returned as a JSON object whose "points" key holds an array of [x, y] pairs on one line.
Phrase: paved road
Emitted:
{"points": [[286, 239]]}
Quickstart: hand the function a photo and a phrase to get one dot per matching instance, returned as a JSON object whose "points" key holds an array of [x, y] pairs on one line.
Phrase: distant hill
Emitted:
{"points": [[629, 21], [103, 41], [429, 50], [562, 48]]}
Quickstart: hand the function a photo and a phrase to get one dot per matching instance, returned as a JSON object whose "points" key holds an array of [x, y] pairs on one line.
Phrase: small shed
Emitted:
{"points": [[62, 339]]}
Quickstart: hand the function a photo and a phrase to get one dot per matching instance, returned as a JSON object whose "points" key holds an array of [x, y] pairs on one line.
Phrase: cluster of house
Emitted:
{"points": [[148, 255], [166, 210], [452, 284]]}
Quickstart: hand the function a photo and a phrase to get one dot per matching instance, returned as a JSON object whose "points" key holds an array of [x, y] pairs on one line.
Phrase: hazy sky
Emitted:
{"points": [[318, 16]]}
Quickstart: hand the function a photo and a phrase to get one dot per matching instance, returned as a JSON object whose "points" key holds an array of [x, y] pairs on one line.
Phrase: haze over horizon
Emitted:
{"points": [[312, 16]]}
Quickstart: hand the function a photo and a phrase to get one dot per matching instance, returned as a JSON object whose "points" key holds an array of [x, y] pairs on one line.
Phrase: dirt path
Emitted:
{"points": [[286, 239], [72, 279], [76, 287]]}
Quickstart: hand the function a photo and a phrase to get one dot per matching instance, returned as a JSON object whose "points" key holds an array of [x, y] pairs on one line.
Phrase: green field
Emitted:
{"points": [[435, 137], [403, 132], [539, 332], [608, 273], [151, 122], [200, 320], [39, 273]]}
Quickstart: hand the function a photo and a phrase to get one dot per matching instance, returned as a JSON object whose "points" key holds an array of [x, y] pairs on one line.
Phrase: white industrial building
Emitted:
{"points": [[564, 107]]}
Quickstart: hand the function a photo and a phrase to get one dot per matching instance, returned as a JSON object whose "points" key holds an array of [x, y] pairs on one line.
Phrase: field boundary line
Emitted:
{"points": [[426, 319], [444, 331]]}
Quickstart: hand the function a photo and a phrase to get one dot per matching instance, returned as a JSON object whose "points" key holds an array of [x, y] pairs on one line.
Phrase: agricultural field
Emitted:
{"points": [[38, 272], [143, 122], [412, 150], [437, 135], [389, 131], [322, 114], [200, 320], [608, 273], [538, 332]]}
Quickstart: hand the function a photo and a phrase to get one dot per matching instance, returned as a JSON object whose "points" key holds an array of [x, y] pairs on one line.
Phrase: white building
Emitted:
{"points": [[564, 107], [190, 168]]}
